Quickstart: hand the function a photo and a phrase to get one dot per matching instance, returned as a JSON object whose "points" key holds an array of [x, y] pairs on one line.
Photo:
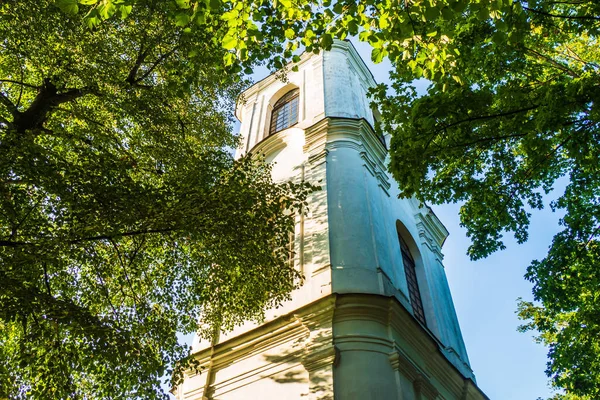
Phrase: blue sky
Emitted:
{"points": [[508, 364]]}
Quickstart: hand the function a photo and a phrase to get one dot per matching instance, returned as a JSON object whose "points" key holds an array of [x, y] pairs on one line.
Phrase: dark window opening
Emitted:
{"points": [[411, 279], [285, 112]]}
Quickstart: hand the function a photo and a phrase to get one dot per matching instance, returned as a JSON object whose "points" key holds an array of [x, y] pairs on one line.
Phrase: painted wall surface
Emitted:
{"points": [[347, 245]]}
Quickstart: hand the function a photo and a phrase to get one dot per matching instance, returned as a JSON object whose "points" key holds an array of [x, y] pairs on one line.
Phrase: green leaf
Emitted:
{"points": [[326, 41], [229, 42], [383, 21], [182, 19], [377, 55], [201, 18], [432, 13], [483, 14], [125, 11], [106, 9], [290, 34], [447, 13], [364, 36], [68, 6], [92, 21], [183, 4]]}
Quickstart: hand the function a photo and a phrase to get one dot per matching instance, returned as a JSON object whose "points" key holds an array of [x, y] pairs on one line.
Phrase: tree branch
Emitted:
{"points": [[487, 139], [131, 77], [46, 279], [491, 116], [47, 98], [9, 104], [10, 243], [547, 14], [553, 62], [120, 257], [19, 83], [156, 63]]}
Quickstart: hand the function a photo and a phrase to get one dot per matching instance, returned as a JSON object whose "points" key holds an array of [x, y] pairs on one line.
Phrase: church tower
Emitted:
{"points": [[374, 318]]}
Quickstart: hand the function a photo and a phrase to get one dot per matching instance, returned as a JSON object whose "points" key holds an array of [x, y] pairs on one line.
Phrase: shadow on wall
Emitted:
{"points": [[316, 240], [309, 362]]}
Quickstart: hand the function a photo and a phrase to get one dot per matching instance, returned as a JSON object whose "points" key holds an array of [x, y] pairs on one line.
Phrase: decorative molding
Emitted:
{"points": [[377, 171], [308, 339], [315, 138], [316, 358], [403, 364], [269, 80], [431, 231], [270, 144], [332, 133], [424, 389], [437, 230]]}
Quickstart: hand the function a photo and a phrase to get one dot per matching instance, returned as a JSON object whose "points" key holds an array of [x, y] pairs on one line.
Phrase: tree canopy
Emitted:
{"points": [[123, 216], [516, 110], [114, 120]]}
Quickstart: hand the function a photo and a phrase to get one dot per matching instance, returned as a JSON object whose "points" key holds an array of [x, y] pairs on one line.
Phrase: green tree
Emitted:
{"points": [[512, 108], [123, 216], [515, 109]]}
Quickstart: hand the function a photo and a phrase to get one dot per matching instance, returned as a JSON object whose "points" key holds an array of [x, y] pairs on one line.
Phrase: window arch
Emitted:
{"points": [[285, 112], [410, 271]]}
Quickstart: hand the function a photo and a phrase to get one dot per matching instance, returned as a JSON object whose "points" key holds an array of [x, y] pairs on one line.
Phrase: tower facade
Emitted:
{"points": [[374, 318]]}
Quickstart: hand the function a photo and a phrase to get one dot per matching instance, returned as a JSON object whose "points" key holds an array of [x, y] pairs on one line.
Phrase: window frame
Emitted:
{"points": [[412, 281], [288, 105]]}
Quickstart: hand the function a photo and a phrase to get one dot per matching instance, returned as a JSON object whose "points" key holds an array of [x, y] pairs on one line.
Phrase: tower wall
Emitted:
{"points": [[349, 331]]}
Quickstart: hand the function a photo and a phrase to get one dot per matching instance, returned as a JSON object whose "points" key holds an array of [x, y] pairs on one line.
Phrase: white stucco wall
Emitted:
{"points": [[348, 242]]}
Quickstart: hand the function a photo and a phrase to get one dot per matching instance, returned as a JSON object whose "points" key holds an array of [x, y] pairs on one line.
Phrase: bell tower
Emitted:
{"points": [[374, 318]]}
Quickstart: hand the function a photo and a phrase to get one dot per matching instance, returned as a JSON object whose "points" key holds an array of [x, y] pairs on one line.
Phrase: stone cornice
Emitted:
{"points": [[270, 144], [436, 229], [420, 341], [334, 132], [316, 345], [431, 231], [295, 324]]}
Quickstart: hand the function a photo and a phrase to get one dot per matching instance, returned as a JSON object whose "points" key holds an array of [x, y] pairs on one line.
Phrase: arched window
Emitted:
{"points": [[285, 112], [411, 278]]}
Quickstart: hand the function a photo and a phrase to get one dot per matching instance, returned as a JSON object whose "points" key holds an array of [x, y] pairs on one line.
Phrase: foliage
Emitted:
{"points": [[123, 217], [515, 110], [561, 396], [512, 108]]}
